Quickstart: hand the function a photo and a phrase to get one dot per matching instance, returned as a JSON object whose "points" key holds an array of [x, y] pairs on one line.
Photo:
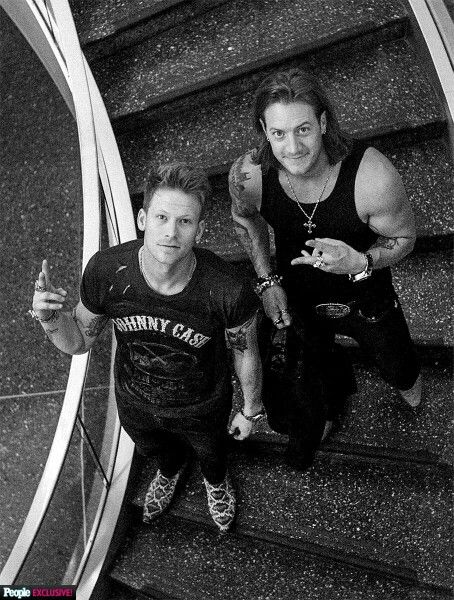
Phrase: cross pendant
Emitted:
{"points": [[310, 226]]}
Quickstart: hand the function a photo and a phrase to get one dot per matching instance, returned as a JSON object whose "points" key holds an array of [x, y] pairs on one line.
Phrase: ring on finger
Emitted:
{"points": [[278, 320], [319, 263], [39, 288], [284, 312]]}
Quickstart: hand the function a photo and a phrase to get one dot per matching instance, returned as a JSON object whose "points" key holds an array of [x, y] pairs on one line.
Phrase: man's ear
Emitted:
{"points": [[141, 219], [323, 121], [200, 230]]}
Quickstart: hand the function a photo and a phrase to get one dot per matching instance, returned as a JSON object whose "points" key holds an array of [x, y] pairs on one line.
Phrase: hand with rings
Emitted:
{"points": [[332, 256], [47, 299]]}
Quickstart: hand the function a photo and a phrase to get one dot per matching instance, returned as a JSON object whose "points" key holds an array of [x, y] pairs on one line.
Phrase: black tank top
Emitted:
{"points": [[336, 217]]}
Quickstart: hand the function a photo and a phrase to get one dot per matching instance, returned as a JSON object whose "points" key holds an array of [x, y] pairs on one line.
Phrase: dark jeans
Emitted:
{"points": [[171, 440], [318, 376]]}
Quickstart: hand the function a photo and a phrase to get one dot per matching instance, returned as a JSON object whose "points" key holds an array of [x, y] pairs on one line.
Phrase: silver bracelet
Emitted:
{"points": [[263, 283]]}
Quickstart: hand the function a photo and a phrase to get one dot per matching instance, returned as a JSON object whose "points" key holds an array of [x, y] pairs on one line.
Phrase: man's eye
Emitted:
{"points": [[161, 217], [186, 221], [303, 130], [278, 134]]}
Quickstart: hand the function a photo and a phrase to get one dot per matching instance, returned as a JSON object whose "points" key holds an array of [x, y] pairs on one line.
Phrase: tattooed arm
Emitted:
{"points": [[245, 187], [389, 211], [248, 367], [72, 333]]}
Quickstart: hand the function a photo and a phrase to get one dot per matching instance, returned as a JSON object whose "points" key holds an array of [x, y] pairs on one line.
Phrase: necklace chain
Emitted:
{"points": [[142, 270], [308, 224]]}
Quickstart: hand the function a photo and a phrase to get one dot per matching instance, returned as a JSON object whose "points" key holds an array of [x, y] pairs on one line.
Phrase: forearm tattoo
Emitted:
{"points": [[95, 326], [386, 242], [238, 340]]}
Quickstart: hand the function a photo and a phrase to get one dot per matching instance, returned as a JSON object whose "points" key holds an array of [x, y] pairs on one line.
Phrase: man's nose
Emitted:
{"points": [[292, 144], [171, 228]]}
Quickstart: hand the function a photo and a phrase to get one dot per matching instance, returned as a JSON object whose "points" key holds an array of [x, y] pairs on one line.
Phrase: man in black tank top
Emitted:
{"points": [[341, 218]]}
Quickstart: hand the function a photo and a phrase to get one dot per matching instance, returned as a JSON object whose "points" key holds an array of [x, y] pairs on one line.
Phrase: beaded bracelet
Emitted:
{"points": [[263, 283]]}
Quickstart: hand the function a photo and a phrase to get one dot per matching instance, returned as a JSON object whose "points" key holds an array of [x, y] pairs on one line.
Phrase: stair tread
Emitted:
{"points": [[228, 41], [96, 19], [186, 561], [376, 513], [388, 76], [377, 423]]}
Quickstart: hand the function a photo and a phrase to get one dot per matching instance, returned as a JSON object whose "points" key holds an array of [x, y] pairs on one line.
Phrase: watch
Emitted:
{"points": [[366, 272], [254, 418]]}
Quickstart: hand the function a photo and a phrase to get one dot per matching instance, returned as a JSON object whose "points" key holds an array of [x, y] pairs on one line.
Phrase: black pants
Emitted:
{"points": [[318, 376], [172, 439]]}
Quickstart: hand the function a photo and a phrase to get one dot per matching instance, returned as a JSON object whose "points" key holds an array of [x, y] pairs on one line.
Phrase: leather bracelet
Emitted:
{"points": [[254, 418], [37, 318], [263, 283]]}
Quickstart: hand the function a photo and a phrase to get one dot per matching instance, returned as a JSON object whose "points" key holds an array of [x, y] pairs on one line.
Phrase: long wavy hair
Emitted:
{"points": [[296, 85]]}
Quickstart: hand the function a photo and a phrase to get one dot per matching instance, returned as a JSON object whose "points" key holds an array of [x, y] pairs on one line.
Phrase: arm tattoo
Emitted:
{"points": [[50, 332], [238, 175], [95, 326], [238, 339], [386, 242]]}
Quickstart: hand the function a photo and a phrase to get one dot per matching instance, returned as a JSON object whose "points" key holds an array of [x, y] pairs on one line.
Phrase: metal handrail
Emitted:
{"points": [[99, 155], [437, 30]]}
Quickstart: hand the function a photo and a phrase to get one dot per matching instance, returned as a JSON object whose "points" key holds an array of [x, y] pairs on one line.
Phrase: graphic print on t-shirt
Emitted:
{"points": [[162, 360]]}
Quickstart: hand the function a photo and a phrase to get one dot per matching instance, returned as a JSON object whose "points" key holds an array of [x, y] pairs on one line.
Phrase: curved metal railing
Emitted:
{"points": [[49, 28]]}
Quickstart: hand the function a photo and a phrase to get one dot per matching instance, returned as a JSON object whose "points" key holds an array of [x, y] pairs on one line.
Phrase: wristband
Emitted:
{"points": [[51, 317], [366, 272], [263, 283], [254, 418]]}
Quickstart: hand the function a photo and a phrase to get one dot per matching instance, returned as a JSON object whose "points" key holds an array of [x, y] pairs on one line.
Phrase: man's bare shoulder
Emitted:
{"points": [[245, 184], [377, 179]]}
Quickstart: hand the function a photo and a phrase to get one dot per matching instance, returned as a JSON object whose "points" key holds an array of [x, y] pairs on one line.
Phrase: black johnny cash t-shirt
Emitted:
{"points": [[171, 357]]}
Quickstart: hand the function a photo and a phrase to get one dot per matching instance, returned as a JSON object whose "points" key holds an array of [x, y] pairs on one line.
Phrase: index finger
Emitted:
{"points": [[45, 270]]}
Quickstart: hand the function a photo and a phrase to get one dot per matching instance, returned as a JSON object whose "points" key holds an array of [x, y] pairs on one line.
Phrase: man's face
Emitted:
{"points": [[171, 225], [295, 135]]}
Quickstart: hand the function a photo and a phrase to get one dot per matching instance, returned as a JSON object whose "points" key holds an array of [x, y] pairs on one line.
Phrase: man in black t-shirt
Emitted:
{"points": [[175, 309]]}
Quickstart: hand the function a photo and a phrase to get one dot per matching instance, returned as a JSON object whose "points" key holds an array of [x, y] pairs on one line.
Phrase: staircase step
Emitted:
{"points": [[174, 559], [385, 519], [105, 28], [98, 19], [215, 135], [232, 40], [378, 427]]}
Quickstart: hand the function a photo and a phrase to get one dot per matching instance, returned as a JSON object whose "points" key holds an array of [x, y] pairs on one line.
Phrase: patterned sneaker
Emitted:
{"points": [[159, 495], [221, 502], [413, 395]]}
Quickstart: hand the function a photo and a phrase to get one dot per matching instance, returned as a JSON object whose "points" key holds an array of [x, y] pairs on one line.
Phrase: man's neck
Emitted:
{"points": [[166, 279]]}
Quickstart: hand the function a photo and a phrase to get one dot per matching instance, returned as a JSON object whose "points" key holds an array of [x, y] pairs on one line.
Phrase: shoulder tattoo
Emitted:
{"points": [[239, 174], [238, 339]]}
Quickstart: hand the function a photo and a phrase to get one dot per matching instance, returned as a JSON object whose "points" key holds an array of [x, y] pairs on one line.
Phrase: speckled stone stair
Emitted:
{"points": [[181, 560], [398, 98], [107, 26], [236, 38], [389, 520], [377, 425]]}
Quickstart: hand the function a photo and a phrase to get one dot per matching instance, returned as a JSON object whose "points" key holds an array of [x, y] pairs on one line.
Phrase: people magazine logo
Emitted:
{"points": [[37, 591]]}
